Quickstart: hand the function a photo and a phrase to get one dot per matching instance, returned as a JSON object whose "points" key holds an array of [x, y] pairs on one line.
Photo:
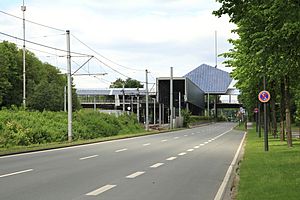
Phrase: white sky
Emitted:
{"points": [[138, 34]]}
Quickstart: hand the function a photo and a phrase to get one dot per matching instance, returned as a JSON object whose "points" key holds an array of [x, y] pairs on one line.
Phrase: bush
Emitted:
{"points": [[19, 127]]}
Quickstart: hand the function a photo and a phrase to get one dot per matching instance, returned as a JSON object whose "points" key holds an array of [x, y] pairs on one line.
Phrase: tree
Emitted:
{"points": [[268, 32], [128, 83], [44, 83]]}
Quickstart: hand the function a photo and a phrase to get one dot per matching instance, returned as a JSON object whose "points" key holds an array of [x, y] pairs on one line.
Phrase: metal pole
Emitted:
{"points": [[131, 104], [265, 122], [154, 111], [179, 104], [138, 108], [216, 49], [123, 99], [171, 99], [65, 98], [69, 87], [147, 103], [163, 113], [159, 113], [207, 104], [94, 103], [259, 121], [23, 8]]}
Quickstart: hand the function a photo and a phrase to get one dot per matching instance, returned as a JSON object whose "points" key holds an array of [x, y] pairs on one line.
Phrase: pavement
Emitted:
{"points": [[187, 164]]}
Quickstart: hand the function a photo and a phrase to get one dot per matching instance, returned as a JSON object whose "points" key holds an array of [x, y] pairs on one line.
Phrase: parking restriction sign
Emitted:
{"points": [[264, 96]]}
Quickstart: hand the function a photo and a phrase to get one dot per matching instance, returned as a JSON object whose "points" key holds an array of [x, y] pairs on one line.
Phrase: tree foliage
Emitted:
{"points": [[44, 83], [128, 83], [268, 46]]}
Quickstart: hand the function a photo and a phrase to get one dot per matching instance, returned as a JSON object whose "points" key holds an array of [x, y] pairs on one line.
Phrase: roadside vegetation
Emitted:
{"points": [[24, 128], [272, 175]]}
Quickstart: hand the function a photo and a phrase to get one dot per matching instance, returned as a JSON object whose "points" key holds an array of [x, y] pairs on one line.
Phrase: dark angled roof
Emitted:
{"points": [[209, 79]]}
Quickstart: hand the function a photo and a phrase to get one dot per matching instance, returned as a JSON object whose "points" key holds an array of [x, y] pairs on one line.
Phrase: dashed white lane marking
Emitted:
{"points": [[209, 140], [147, 144], [134, 175], [88, 157], [15, 173], [196, 147], [201, 144], [181, 154], [164, 140], [171, 158], [156, 165], [185, 135], [121, 150], [176, 138], [100, 190], [205, 142], [190, 150], [193, 133]]}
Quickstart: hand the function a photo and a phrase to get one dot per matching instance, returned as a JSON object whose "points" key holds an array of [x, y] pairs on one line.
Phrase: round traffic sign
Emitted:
{"points": [[264, 96]]}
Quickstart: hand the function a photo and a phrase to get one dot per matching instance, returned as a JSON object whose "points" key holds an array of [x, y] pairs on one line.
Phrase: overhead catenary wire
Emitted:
{"points": [[104, 56], [49, 47], [32, 22]]}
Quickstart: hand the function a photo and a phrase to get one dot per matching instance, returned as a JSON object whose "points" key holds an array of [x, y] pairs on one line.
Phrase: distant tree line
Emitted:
{"points": [[268, 47], [44, 83]]}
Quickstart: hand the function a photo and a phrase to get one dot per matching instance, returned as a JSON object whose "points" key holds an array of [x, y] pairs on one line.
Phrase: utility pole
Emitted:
{"points": [[171, 99], [65, 98], [179, 104], [138, 107], [123, 99], [147, 102], [207, 104], [265, 121], [216, 49], [154, 111], [23, 8], [69, 87]]}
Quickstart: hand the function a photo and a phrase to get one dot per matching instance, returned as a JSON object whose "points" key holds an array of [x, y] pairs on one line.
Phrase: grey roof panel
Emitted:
{"points": [[210, 79]]}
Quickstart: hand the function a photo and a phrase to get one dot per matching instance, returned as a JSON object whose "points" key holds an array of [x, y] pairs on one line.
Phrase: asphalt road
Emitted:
{"points": [[182, 165]]}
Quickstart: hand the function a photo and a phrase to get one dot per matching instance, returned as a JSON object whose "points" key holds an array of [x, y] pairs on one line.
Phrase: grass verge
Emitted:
{"points": [[36, 147], [269, 175]]}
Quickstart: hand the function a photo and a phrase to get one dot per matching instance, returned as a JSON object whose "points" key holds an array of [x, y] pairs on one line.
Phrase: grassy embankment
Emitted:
{"points": [[27, 131], [272, 175]]}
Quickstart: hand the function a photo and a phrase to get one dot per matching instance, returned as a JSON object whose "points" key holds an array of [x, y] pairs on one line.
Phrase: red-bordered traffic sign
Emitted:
{"points": [[256, 110], [264, 96]]}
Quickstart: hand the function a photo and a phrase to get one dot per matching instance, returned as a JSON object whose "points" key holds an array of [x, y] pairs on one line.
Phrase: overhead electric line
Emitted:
{"points": [[104, 56], [32, 22], [49, 47]]}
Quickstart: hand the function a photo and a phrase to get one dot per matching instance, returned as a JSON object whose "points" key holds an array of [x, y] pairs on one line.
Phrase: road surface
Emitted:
{"points": [[182, 165]]}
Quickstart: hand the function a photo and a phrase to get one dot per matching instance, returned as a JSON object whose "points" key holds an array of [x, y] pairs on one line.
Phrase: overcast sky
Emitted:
{"points": [[137, 34]]}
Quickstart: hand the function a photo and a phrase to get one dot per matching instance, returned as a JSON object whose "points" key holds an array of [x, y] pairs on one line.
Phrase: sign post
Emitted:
{"points": [[264, 96]]}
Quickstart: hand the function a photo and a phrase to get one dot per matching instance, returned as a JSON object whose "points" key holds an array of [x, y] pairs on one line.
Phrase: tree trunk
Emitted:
{"points": [[282, 111], [288, 111], [273, 111]]}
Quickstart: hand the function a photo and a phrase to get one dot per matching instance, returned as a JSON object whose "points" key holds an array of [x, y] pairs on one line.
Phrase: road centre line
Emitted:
{"points": [[164, 140], [196, 147], [134, 175], [171, 158], [181, 154], [185, 135], [100, 190], [147, 144], [88, 157], [176, 138], [156, 165], [189, 150], [202, 144], [121, 150], [15, 173]]}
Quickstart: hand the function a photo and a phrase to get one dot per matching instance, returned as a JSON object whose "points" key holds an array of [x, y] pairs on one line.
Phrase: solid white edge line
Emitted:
{"points": [[222, 187], [156, 165], [171, 158], [134, 175], [15, 173], [121, 150], [88, 157], [100, 190]]}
